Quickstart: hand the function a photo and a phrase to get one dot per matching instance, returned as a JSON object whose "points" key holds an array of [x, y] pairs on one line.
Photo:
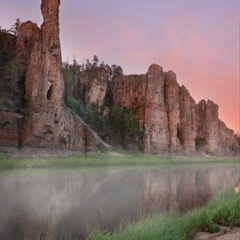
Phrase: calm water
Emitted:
{"points": [[45, 203]]}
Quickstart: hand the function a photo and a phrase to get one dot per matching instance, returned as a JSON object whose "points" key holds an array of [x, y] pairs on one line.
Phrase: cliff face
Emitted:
{"points": [[48, 127], [171, 122], [169, 117], [91, 86]]}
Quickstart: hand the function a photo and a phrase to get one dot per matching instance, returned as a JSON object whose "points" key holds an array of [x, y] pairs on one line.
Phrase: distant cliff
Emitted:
{"points": [[169, 117], [171, 122], [35, 120]]}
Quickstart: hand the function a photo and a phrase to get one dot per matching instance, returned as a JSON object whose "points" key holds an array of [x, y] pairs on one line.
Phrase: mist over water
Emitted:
{"points": [[48, 204]]}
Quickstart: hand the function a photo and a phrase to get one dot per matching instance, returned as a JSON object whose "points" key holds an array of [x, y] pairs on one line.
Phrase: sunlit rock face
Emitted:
{"points": [[172, 123], [172, 100], [48, 126], [207, 116], [91, 86], [156, 130]]}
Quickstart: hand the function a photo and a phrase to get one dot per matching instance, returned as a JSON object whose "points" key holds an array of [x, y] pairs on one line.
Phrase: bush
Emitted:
{"points": [[124, 130]]}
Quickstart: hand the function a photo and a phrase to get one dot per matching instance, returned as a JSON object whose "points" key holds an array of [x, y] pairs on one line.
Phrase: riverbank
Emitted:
{"points": [[224, 210], [8, 161], [225, 233]]}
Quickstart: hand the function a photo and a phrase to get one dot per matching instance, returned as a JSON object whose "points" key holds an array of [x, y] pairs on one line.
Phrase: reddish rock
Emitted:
{"points": [[207, 127], [48, 126], [91, 86], [187, 128], [172, 95], [129, 92], [23, 45], [167, 114], [227, 141], [143, 95], [156, 134]]}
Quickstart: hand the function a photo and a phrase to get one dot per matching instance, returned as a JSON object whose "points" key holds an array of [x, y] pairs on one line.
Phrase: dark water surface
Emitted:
{"points": [[43, 204]]}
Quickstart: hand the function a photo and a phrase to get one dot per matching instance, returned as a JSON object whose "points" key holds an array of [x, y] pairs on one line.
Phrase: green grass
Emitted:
{"points": [[224, 210], [8, 161]]}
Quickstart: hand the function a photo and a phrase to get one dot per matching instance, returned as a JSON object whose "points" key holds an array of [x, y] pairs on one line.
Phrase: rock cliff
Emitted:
{"points": [[37, 121], [169, 117], [91, 86], [48, 126]]}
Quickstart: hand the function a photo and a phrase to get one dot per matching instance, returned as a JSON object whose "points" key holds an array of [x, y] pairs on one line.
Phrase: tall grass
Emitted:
{"points": [[224, 210]]}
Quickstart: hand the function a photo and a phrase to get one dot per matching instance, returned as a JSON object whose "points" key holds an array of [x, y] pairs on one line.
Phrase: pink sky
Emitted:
{"points": [[198, 40]]}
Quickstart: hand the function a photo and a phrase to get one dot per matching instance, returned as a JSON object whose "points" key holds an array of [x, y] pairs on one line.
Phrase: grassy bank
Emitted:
{"points": [[8, 161], [224, 210]]}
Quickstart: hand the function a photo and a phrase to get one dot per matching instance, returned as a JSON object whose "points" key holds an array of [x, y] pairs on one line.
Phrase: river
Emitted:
{"points": [[46, 204]]}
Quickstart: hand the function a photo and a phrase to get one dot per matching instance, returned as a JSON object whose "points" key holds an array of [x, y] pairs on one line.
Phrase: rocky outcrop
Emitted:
{"points": [[227, 141], [129, 92], [48, 126], [171, 122], [187, 128], [156, 134], [170, 119], [172, 99], [207, 127], [91, 86]]}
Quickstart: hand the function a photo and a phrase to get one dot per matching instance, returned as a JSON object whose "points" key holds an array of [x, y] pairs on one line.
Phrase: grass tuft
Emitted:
{"points": [[224, 210]]}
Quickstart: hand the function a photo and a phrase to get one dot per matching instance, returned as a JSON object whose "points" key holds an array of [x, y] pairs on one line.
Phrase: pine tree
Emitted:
{"points": [[95, 61], [15, 27]]}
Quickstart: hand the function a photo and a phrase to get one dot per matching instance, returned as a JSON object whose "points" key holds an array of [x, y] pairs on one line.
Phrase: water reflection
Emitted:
{"points": [[37, 205]]}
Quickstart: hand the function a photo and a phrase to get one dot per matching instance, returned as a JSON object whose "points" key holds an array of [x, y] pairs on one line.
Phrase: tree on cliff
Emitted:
{"points": [[117, 70], [88, 64], [15, 27], [70, 72], [8, 65], [95, 61]]}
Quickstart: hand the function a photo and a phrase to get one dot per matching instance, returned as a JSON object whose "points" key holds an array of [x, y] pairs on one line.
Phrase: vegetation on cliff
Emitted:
{"points": [[116, 126], [8, 68]]}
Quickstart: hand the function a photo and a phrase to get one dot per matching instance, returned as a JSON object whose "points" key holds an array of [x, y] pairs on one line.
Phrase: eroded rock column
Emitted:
{"points": [[187, 129], [48, 126], [172, 91], [156, 134]]}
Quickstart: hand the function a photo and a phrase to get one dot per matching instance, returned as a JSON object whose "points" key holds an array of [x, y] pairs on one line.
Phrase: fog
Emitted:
{"points": [[50, 204]]}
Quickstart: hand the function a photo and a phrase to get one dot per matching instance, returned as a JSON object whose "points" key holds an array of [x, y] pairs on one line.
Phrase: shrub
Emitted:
{"points": [[124, 130]]}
